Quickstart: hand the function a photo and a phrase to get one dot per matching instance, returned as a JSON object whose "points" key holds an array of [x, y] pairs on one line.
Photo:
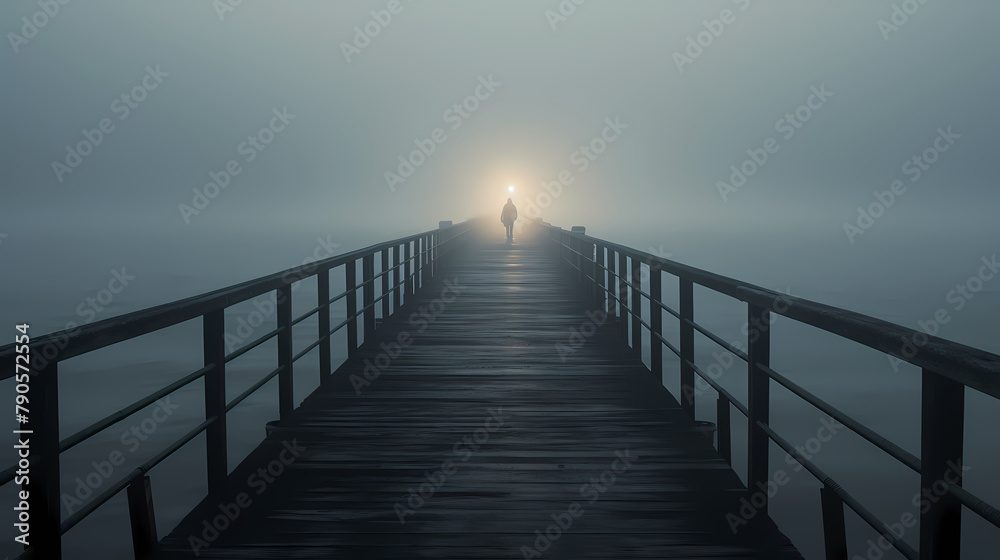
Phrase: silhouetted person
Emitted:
{"points": [[508, 217]]}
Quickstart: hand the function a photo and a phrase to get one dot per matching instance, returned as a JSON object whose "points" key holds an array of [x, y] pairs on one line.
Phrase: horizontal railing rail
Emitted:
{"points": [[611, 277], [407, 264]]}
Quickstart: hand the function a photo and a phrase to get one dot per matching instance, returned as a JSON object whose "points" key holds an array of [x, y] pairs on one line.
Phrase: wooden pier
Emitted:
{"points": [[484, 389], [494, 404]]}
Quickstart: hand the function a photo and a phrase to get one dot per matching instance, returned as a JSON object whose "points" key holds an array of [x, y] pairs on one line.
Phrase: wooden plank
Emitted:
{"points": [[530, 417]]}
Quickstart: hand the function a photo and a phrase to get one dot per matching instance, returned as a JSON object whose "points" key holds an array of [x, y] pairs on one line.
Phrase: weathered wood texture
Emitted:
{"points": [[493, 347]]}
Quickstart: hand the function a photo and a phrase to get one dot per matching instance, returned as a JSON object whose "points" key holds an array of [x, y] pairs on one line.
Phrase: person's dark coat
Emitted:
{"points": [[509, 214]]}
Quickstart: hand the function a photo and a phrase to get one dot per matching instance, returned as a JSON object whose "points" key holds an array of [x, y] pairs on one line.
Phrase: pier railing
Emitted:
{"points": [[611, 276], [405, 265]]}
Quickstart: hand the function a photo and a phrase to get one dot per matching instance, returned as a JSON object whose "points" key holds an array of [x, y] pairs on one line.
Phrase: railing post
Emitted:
{"points": [[577, 245], [350, 286], [408, 271], [656, 322], [386, 296], [600, 295], [43, 484], [942, 431], [686, 286], [323, 301], [286, 398], [214, 335], [724, 428], [623, 292], [636, 302], [430, 256], [368, 294], [759, 339], [418, 280], [425, 266], [590, 266], [397, 282], [834, 530], [142, 519]]}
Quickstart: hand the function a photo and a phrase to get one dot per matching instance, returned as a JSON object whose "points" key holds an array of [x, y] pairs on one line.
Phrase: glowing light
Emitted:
{"points": [[510, 189]]}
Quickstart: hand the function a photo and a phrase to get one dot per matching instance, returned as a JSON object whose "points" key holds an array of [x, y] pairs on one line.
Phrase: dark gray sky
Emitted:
{"points": [[556, 84]]}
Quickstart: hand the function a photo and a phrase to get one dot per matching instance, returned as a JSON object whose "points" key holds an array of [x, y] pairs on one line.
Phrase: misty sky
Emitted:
{"points": [[355, 104], [116, 115]]}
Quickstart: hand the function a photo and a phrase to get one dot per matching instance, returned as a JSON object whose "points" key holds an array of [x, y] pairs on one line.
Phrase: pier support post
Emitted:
{"points": [[600, 294], [686, 288], [214, 334], [623, 292], [942, 431], [588, 272], [656, 323], [408, 271], [368, 295], [398, 284], [759, 339], [419, 271], [323, 301], [142, 519], [350, 286], [432, 254], [386, 296], [43, 484], [635, 302], [286, 399], [834, 529], [724, 428]]}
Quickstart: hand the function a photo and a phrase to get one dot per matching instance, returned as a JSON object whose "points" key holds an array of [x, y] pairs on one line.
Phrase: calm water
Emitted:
{"points": [[893, 282]]}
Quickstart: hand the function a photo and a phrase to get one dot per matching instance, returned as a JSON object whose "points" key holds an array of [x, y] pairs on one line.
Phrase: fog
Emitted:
{"points": [[844, 151], [512, 93]]}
